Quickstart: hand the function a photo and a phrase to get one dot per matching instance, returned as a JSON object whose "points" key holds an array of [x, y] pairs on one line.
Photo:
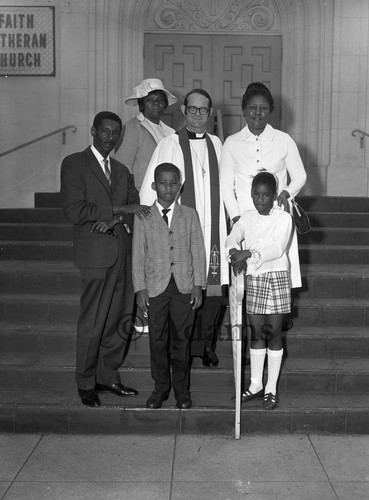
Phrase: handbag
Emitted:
{"points": [[300, 217]]}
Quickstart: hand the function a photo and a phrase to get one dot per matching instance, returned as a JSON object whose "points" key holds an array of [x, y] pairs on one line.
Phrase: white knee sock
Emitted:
{"points": [[274, 366], [257, 358]]}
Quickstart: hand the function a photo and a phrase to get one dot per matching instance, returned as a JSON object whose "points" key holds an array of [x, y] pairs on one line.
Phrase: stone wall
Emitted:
{"points": [[99, 58]]}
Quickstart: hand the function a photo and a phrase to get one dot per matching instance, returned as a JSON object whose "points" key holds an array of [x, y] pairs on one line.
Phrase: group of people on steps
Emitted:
{"points": [[160, 217]]}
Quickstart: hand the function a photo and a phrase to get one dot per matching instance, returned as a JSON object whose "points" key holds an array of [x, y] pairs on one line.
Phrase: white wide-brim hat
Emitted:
{"points": [[144, 89]]}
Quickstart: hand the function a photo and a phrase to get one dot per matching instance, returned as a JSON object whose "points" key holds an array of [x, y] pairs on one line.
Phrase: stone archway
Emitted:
{"points": [[220, 46], [306, 64]]}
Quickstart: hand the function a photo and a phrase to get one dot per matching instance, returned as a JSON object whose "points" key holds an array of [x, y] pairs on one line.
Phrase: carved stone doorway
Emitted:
{"points": [[221, 64]]}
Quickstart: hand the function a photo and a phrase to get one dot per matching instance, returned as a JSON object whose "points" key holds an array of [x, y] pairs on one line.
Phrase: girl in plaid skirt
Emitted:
{"points": [[265, 234]]}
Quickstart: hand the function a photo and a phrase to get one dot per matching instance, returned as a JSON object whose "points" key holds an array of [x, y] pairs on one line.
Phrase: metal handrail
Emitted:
{"points": [[357, 131], [74, 129]]}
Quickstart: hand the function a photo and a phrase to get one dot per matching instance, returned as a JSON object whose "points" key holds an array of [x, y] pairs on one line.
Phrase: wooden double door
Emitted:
{"points": [[223, 65]]}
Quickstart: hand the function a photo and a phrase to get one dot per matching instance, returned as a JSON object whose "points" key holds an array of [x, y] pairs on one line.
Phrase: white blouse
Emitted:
{"points": [[245, 154], [266, 236]]}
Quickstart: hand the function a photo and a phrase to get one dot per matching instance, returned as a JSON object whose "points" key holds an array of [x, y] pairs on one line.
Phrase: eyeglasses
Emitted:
{"points": [[193, 110]]}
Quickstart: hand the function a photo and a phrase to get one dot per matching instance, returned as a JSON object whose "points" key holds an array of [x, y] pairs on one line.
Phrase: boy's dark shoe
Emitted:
{"points": [[210, 359], [156, 400], [89, 398], [184, 402]]}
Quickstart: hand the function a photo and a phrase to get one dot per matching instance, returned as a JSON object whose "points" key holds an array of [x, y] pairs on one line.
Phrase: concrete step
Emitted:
{"points": [[37, 276], [29, 215], [344, 218], [331, 312], [36, 250], [32, 231], [319, 375], [55, 277], [334, 281], [60, 411], [55, 216], [299, 342], [339, 220], [334, 203], [324, 379], [309, 203], [333, 254], [40, 308], [63, 250], [49, 309], [335, 236], [47, 200]]}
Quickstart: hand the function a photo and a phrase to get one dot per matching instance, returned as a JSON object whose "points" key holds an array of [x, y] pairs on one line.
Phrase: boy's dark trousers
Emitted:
{"points": [[171, 303]]}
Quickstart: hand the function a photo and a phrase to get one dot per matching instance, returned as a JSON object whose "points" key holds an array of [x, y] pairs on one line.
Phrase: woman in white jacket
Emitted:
{"points": [[257, 147]]}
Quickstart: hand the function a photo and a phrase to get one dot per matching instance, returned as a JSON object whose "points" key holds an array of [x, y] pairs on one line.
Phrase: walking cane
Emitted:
{"points": [[235, 305]]}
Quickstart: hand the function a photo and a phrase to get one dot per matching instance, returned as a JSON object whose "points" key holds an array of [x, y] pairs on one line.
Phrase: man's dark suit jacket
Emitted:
{"points": [[86, 198]]}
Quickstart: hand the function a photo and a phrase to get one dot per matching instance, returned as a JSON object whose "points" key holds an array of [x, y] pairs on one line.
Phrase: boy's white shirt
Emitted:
{"points": [[169, 214]]}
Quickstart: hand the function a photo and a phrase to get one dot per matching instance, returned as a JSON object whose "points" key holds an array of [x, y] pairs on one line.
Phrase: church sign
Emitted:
{"points": [[27, 41]]}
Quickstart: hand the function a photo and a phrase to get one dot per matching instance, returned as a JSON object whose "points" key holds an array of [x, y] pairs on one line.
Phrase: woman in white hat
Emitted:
{"points": [[141, 135]]}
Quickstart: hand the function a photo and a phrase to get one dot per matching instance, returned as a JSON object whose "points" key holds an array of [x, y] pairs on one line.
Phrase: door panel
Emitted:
{"points": [[182, 63], [221, 64]]}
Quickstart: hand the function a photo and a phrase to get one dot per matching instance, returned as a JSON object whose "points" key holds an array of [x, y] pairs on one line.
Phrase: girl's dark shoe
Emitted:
{"points": [[248, 396], [270, 401]]}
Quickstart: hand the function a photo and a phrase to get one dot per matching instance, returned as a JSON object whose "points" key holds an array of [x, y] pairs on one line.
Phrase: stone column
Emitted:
{"points": [[348, 168]]}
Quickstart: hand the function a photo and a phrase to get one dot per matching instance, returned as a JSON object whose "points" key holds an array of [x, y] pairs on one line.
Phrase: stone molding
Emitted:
{"points": [[235, 16]]}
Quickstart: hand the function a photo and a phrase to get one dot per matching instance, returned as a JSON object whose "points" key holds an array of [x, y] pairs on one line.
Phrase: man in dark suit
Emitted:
{"points": [[99, 198]]}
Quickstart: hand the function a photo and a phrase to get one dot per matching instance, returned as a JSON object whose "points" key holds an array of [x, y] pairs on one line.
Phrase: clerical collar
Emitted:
{"points": [[193, 135]]}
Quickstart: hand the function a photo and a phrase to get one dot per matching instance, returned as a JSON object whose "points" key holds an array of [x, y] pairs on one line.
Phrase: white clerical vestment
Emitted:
{"points": [[169, 150]]}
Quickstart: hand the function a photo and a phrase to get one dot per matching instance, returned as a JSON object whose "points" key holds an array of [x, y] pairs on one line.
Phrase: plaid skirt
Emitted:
{"points": [[268, 293]]}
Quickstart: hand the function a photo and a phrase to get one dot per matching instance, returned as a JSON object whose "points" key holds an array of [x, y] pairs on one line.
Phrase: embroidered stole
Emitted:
{"points": [[188, 198]]}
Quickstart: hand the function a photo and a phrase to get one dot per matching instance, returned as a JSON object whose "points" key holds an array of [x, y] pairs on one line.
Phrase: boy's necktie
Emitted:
{"points": [[165, 211], [107, 170]]}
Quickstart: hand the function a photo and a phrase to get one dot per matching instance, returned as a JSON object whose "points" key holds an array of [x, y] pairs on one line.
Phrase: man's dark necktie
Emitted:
{"points": [[107, 170]]}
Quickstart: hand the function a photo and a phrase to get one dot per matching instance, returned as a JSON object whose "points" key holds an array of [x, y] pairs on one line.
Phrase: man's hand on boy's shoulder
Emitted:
{"points": [[142, 211], [196, 297], [142, 297]]}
